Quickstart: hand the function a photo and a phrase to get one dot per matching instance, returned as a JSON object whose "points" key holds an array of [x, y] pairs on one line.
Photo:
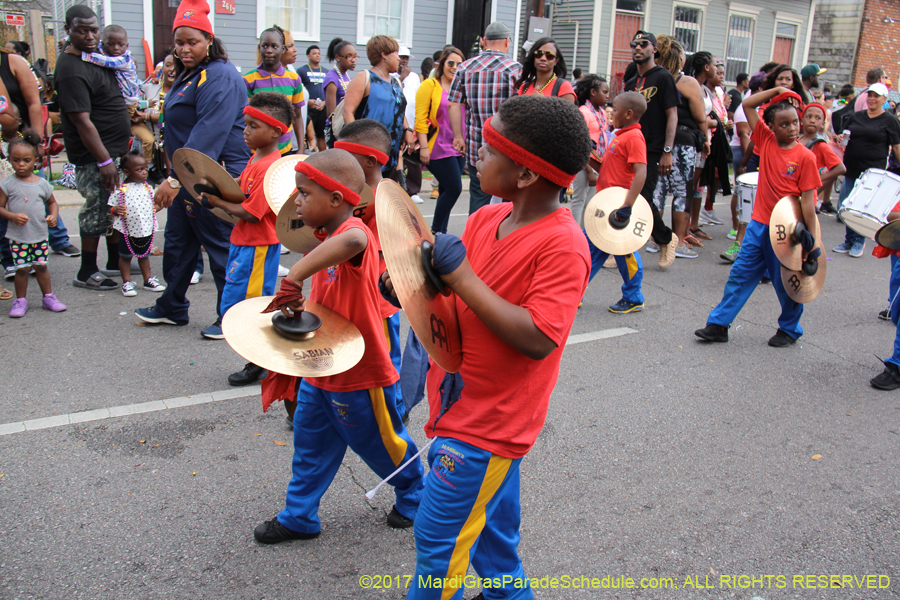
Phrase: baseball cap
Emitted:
{"points": [[643, 35], [497, 31], [878, 88], [811, 69], [404, 51]]}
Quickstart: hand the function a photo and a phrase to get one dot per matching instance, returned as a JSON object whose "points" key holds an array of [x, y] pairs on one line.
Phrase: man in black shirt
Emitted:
{"points": [[658, 126], [96, 129], [737, 94]]}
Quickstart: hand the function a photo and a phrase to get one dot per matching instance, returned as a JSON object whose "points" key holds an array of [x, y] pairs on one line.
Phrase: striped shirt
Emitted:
{"points": [[481, 84], [281, 81]]}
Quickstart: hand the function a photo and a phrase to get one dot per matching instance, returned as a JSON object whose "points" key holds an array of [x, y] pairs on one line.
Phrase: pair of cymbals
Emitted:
{"points": [[199, 173], [618, 239], [403, 233], [799, 286], [803, 288], [335, 347], [889, 236]]}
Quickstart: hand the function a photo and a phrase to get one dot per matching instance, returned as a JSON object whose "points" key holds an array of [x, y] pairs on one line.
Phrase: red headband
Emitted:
{"points": [[267, 119], [327, 182], [363, 150], [523, 157], [815, 105]]}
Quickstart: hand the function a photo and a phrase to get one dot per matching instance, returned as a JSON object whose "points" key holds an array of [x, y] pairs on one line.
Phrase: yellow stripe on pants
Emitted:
{"points": [[631, 261], [393, 443], [258, 274], [387, 333]]}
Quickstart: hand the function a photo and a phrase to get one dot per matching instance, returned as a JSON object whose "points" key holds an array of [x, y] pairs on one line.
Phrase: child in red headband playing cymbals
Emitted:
{"points": [[356, 408], [517, 294], [252, 268]]}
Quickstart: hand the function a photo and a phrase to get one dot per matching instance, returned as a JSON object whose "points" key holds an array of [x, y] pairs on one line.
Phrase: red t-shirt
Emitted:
{"points": [[825, 157], [564, 88], [387, 309], [261, 233], [880, 251], [628, 148], [544, 268], [352, 292], [781, 172]]}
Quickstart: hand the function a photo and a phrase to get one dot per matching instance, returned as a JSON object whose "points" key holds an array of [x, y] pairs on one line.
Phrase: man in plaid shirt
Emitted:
{"points": [[481, 84]]}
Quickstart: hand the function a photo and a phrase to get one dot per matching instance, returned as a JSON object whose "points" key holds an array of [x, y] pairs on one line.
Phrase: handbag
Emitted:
{"points": [[337, 117]]}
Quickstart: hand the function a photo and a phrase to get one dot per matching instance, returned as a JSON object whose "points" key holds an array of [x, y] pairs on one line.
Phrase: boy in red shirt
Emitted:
{"points": [[252, 267], [786, 168], [830, 166], [624, 165], [516, 295], [356, 408]]}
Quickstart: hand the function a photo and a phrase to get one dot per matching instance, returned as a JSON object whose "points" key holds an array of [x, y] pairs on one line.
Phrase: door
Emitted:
{"points": [[627, 24], [784, 50], [470, 17], [163, 17]]}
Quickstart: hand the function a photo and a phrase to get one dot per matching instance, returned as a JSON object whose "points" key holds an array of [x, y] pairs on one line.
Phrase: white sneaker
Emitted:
{"points": [[283, 271], [651, 247], [128, 289], [284, 249], [153, 285], [710, 216], [196, 277], [415, 198], [685, 252]]}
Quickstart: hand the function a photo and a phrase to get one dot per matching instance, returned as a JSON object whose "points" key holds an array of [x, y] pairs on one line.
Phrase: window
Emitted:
{"points": [[785, 35], [385, 17], [300, 17], [687, 28], [740, 43], [632, 5]]}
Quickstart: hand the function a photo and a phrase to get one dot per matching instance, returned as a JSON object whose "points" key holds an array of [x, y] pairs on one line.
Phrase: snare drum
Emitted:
{"points": [[746, 190], [874, 195]]}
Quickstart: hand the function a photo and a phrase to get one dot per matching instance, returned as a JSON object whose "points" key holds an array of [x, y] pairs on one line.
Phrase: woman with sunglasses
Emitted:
{"points": [[544, 72], [343, 55], [436, 136]]}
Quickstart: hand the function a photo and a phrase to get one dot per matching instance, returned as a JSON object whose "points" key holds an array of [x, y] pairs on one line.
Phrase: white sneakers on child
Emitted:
{"points": [[153, 285], [128, 289]]}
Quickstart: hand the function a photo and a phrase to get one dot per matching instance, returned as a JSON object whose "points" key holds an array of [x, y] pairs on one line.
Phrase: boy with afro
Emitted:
{"points": [[517, 294]]}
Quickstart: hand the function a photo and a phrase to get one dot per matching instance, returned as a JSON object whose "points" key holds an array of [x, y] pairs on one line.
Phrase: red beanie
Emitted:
{"points": [[193, 13]]}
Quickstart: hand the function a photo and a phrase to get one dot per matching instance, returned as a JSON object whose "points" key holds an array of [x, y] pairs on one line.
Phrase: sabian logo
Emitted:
{"points": [[317, 359]]}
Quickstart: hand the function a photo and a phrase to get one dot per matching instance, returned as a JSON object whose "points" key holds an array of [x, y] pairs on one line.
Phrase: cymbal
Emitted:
{"points": [[293, 232], [280, 183], [785, 216], [889, 236], [199, 173], [402, 231], [618, 242], [335, 347], [365, 210], [801, 287]]}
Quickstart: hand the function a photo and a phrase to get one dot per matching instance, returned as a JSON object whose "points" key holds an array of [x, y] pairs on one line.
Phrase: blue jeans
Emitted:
{"points": [[851, 237], [449, 175], [755, 257], [631, 268], [413, 371], [477, 198]]}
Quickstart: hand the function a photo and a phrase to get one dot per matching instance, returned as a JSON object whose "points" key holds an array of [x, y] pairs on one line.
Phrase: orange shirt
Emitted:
{"points": [[261, 233], [628, 148], [564, 88], [781, 172]]}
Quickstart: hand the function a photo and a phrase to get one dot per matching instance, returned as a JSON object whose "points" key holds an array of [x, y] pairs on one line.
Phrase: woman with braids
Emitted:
{"points": [[544, 72], [202, 112], [343, 55], [691, 141], [592, 93]]}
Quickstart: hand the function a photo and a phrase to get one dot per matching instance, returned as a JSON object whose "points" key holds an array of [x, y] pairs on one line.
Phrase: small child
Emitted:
{"points": [[117, 56], [135, 219], [25, 200], [786, 168], [830, 166], [624, 165], [252, 268], [356, 408]]}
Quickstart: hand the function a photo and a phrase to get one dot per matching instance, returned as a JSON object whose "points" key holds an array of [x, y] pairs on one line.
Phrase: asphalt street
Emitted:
{"points": [[712, 471]]}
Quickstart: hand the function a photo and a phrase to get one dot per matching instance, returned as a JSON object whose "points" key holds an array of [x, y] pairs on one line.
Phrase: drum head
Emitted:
{"points": [[748, 179]]}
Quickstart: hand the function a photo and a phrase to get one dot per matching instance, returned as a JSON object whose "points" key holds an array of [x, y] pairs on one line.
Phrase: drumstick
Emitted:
{"points": [[371, 493]]}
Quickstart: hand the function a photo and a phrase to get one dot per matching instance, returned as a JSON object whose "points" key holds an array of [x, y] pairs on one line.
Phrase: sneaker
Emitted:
{"points": [[732, 253], [765, 279], [828, 208], [273, 532], [710, 216], [152, 315], [128, 289], [856, 251], [153, 285], [684, 252], [70, 250], [19, 308], [651, 247], [398, 521], [415, 198], [887, 380], [781, 340], [667, 253], [843, 248], [283, 271], [885, 315], [214, 331], [732, 234], [10, 273], [713, 333], [285, 249], [624, 306], [290, 422], [196, 277], [51, 302], [435, 193], [246, 376]]}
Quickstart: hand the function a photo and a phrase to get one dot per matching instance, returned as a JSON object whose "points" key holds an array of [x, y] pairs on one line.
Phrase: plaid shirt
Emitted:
{"points": [[125, 72], [481, 84]]}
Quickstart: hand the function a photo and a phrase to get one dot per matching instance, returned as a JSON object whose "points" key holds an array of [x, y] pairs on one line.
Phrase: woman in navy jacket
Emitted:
{"points": [[203, 111]]}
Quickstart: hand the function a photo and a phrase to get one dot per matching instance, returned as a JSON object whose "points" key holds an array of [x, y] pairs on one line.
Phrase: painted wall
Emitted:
{"points": [[879, 41], [834, 37]]}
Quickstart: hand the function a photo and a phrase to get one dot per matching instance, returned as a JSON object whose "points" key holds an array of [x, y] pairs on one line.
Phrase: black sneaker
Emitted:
{"points": [[889, 379], [246, 376], [398, 521], [70, 250], [273, 532], [885, 315], [828, 208], [713, 333], [781, 340], [765, 279]]}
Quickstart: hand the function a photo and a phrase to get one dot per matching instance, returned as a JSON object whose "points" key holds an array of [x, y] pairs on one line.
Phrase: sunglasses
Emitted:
{"points": [[349, 56], [642, 44], [451, 63], [540, 53]]}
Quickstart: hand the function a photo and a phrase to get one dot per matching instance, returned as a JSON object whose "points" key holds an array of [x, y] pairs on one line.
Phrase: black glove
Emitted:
{"points": [[386, 295], [623, 214]]}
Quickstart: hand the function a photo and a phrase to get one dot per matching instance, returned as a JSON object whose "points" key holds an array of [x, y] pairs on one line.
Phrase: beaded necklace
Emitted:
{"points": [[341, 76], [121, 192], [543, 87]]}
